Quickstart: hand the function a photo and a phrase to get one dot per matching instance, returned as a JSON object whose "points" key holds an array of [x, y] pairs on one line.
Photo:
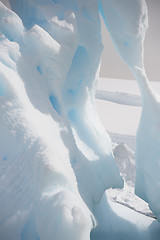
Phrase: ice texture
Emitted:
{"points": [[147, 147], [56, 159], [53, 166], [128, 33]]}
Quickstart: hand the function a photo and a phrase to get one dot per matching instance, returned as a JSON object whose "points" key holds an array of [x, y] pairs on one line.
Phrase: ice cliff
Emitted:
{"points": [[56, 158]]}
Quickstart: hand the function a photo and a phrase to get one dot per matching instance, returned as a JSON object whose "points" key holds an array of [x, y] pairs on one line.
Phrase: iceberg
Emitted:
{"points": [[56, 158], [128, 37]]}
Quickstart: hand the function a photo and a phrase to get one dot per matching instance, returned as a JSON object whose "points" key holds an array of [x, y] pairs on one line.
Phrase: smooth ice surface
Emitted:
{"points": [[148, 153], [118, 222], [128, 39], [56, 158]]}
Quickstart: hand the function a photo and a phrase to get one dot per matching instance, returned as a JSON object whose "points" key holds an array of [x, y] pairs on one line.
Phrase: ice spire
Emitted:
{"points": [[127, 22]]}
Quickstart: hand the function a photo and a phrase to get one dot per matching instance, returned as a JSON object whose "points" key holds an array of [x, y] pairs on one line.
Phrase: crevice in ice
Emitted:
{"points": [[55, 103], [39, 70], [76, 75]]}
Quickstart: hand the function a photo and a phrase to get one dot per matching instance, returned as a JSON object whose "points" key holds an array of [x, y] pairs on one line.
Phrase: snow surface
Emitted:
{"points": [[56, 158], [123, 144], [121, 99]]}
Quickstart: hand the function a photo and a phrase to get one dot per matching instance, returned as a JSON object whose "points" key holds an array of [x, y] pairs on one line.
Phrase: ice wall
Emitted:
{"points": [[127, 29], [56, 158]]}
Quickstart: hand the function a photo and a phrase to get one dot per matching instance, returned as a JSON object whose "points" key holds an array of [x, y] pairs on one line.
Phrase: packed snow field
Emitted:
{"points": [[56, 158]]}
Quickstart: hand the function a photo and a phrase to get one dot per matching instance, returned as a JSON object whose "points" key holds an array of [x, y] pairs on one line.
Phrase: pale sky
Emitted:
{"points": [[113, 67]]}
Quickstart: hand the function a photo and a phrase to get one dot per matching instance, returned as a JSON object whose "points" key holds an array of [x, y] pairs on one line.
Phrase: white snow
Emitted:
{"points": [[121, 99], [114, 117], [56, 157]]}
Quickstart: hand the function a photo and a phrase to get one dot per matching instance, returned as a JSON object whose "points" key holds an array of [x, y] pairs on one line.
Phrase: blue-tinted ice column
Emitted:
{"points": [[126, 21], [92, 141]]}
